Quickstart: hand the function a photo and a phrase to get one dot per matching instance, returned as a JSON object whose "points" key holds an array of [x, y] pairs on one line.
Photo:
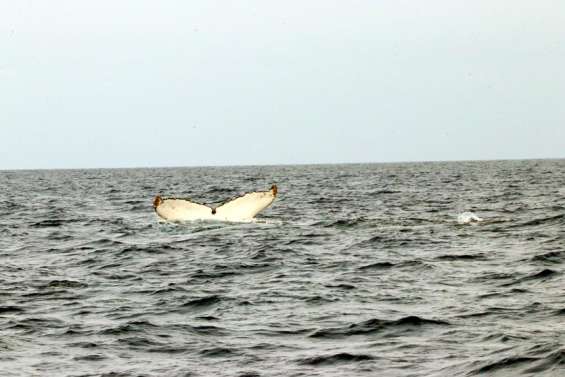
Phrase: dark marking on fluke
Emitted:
{"points": [[157, 201], [375, 325]]}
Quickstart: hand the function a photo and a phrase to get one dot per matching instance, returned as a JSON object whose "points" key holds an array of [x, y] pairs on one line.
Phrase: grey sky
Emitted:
{"points": [[174, 83]]}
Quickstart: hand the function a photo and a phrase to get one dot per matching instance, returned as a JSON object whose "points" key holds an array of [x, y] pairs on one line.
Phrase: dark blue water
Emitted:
{"points": [[355, 270]]}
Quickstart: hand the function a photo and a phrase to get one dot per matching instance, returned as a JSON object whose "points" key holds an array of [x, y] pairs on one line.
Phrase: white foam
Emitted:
{"points": [[468, 218]]}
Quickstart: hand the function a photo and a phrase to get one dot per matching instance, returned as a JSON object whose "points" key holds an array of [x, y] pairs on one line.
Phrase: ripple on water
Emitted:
{"points": [[342, 357], [376, 325], [321, 285]]}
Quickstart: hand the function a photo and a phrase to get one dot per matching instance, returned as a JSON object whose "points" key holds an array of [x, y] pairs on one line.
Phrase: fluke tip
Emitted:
{"points": [[157, 201]]}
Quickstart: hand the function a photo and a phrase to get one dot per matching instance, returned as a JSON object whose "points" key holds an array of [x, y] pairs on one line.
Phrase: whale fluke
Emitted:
{"points": [[242, 208]]}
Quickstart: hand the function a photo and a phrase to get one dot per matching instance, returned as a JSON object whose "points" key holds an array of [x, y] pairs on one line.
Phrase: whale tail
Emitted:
{"points": [[241, 208]]}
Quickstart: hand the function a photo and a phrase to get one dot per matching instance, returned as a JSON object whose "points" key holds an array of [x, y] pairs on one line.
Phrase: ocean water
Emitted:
{"points": [[355, 270]]}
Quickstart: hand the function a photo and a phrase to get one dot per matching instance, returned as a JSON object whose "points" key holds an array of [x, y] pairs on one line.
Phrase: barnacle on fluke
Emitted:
{"points": [[241, 208]]}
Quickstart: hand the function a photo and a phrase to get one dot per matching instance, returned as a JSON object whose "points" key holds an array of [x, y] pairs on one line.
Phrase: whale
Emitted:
{"points": [[242, 208]]}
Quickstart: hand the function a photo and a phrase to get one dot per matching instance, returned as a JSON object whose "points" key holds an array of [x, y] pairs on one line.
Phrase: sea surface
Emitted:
{"points": [[355, 270]]}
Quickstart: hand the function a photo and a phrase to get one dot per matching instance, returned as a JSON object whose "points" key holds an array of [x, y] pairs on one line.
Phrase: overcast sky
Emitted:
{"points": [[183, 83]]}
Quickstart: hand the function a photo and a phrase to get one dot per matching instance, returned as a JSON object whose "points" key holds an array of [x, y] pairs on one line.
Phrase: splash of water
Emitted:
{"points": [[468, 218]]}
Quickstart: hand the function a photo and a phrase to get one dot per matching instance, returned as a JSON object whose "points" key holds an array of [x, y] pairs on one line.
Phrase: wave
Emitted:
{"points": [[506, 362], [554, 361], [283, 332], [66, 284], [559, 311], [551, 220], [139, 342], [553, 257], [129, 327], [202, 302], [49, 223], [342, 286], [199, 330], [249, 374], [453, 257], [92, 357], [217, 352], [11, 309], [385, 192], [317, 299], [376, 325], [201, 274], [539, 359], [342, 357], [377, 266], [388, 242], [346, 223], [542, 275], [388, 265]]}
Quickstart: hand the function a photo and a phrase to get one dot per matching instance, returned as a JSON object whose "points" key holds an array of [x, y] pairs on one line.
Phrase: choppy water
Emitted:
{"points": [[355, 270]]}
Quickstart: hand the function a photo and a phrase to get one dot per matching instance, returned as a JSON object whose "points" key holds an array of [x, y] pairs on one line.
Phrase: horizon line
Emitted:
{"points": [[284, 164]]}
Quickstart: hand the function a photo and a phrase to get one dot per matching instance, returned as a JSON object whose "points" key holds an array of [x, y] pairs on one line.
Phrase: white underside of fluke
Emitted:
{"points": [[243, 208]]}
